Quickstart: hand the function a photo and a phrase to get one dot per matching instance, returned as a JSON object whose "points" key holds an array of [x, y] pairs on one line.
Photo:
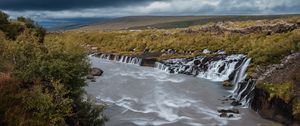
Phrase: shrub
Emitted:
{"points": [[46, 83]]}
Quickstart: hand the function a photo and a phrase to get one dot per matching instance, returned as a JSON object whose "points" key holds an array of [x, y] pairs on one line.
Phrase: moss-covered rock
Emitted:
{"points": [[227, 84], [277, 91]]}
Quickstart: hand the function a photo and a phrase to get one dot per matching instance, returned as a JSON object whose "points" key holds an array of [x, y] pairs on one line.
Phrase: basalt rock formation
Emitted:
{"points": [[276, 107], [232, 68]]}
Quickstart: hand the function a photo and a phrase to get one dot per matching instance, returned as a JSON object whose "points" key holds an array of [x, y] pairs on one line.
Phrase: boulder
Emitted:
{"points": [[90, 77], [234, 111], [197, 62], [96, 72], [227, 84], [223, 114], [236, 103]]}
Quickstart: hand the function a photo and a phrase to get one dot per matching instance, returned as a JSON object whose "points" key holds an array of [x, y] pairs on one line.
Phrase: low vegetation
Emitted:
{"points": [[283, 91], [41, 83], [263, 48]]}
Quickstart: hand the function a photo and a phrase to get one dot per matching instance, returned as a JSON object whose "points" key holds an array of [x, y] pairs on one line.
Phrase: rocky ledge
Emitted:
{"points": [[219, 28], [273, 100]]}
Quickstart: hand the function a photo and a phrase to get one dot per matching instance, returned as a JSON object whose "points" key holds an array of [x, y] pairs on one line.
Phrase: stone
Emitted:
{"points": [[236, 103], [89, 77], [230, 116], [94, 48], [197, 62], [227, 84], [234, 111], [206, 51], [223, 114], [96, 72]]}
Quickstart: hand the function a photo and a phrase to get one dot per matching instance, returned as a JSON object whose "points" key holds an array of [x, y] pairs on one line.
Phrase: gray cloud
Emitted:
{"points": [[56, 5], [47, 9]]}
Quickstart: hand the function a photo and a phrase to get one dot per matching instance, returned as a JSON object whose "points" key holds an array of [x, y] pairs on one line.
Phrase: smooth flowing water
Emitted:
{"points": [[146, 96]]}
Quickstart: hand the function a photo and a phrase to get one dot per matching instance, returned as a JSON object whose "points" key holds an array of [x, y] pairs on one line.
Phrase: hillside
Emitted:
{"points": [[165, 22]]}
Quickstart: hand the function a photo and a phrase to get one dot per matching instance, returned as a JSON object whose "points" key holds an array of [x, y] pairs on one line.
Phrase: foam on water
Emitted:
{"points": [[146, 96], [217, 70]]}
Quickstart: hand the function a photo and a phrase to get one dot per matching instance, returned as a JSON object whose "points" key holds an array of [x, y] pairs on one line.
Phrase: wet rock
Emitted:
{"points": [[232, 75], [149, 62], [172, 71], [171, 51], [227, 84], [197, 62], [234, 111], [235, 103], [93, 80], [205, 60], [223, 114], [230, 116], [90, 77], [222, 68], [96, 72]]}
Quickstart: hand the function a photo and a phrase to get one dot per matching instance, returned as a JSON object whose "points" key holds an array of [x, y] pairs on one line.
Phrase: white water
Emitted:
{"points": [[146, 96], [217, 70], [122, 59], [243, 91], [241, 74], [213, 72]]}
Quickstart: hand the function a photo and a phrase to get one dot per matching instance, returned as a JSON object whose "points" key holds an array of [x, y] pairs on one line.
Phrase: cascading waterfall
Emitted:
{"points": [[241, 72], [218, 69], [212, 68], [122, 59], [243, 90]]}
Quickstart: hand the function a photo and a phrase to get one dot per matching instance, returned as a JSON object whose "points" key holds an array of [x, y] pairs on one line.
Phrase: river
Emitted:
{"points": [[139, 96]]}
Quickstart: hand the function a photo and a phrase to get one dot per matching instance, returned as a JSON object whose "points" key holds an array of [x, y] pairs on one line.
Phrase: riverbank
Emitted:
{"points": [[266, 42], [146, 96]]}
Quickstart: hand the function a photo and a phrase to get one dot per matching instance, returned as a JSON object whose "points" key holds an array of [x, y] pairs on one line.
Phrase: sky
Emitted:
{"points": [[43, 10]]}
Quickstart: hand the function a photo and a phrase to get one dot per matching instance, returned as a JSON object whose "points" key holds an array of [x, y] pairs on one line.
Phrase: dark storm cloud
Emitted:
{"points": [[50, 9], [56, 5]]}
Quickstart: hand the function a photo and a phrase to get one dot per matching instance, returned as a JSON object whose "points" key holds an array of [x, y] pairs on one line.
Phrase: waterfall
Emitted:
{"points": [[217, 68], [243, 90], [122, 59], [241, 72], [211, 68], [221, 69]]}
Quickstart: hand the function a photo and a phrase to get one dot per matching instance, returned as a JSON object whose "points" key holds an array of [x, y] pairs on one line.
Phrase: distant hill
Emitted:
{"points": [[69, 23], [163, 22]]}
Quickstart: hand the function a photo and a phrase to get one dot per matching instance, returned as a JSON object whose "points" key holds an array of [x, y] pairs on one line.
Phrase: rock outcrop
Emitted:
{"points": [[276, 108], [96, 72], [220, 29]]}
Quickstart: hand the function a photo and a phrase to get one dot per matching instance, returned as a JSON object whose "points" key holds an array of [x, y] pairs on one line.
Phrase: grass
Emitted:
{"points": [[264, 49]]}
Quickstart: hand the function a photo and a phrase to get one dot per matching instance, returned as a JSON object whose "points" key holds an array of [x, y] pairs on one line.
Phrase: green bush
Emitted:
{"points": [[44, 82]]}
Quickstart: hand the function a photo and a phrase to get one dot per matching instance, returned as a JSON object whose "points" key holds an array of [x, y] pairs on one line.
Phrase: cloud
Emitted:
{"points": [[57, 5], [47, 9]]}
